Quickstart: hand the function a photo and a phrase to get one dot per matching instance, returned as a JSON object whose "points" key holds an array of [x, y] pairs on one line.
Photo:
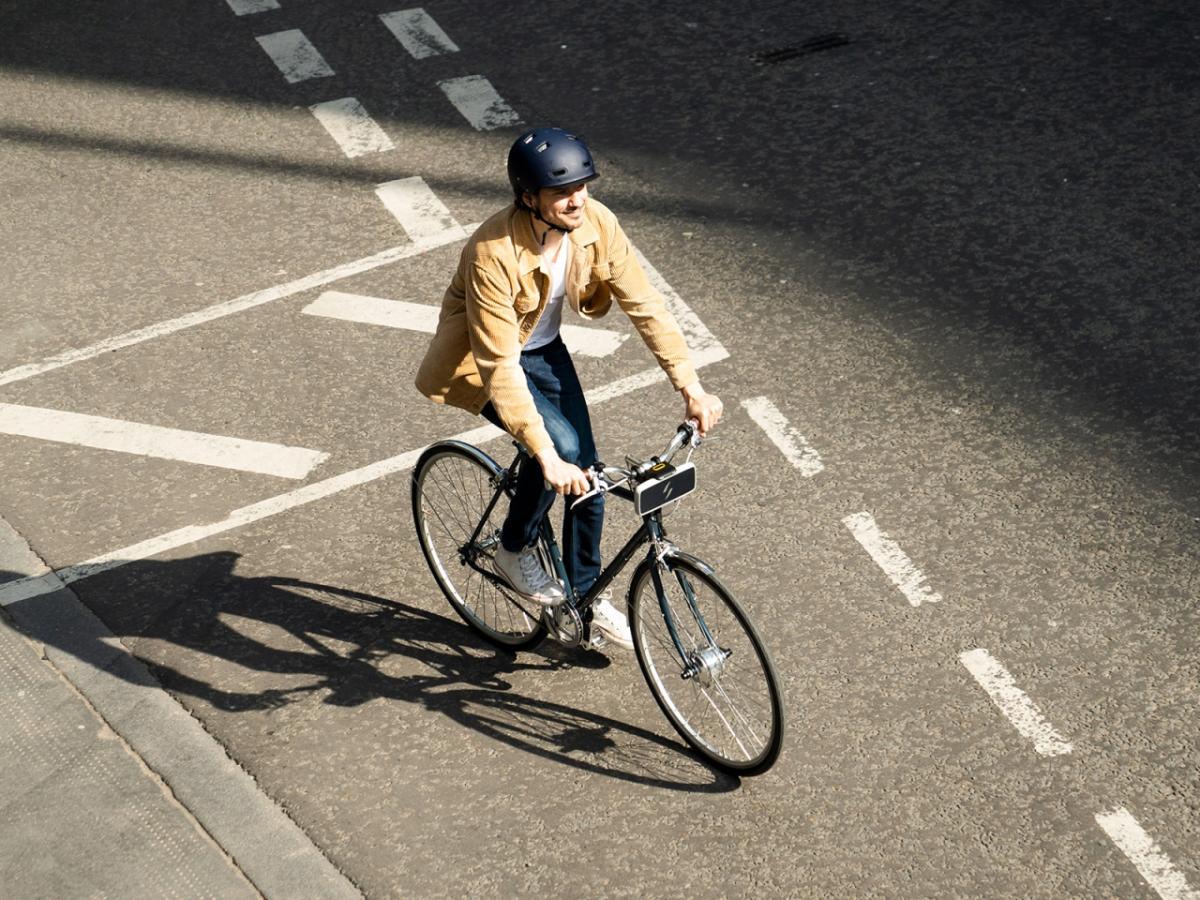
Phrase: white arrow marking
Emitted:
{"points": [[790, 442], [416, 207], [889, 557], [1145, 854], [424, 318], [349, 124], [477, 100], [1014, 703], [294, 55], [420, 35], [162, 443]]}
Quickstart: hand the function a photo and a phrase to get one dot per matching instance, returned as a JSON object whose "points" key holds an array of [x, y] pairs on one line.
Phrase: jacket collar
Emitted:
{"points": [[529, 251]]}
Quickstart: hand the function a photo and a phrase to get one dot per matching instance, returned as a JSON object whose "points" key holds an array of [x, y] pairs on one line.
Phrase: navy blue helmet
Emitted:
{"points": [[548, 157]]}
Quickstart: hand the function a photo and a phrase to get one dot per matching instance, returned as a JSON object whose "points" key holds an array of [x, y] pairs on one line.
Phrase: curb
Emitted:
{"points": [[262, 840]]}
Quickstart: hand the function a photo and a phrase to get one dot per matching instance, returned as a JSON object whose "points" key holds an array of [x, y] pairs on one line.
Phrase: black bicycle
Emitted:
{"points": [[701, 656]]}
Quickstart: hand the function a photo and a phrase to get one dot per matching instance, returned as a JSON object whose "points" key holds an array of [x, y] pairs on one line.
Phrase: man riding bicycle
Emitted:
{"points": [[497, 352]]}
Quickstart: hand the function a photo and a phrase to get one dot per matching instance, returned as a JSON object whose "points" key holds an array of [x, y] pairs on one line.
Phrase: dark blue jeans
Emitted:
{"points": [[558, 397]]}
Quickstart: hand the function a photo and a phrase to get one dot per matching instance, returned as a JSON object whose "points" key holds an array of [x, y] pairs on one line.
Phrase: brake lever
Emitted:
{"points": [[599, 487]]}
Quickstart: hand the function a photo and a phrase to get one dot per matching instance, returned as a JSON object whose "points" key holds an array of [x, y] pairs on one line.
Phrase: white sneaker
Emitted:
{"points": [[611, 622], [526, 576]]}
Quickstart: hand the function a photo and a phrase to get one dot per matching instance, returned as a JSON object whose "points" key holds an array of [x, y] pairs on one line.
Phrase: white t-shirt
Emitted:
{"points": [[551, 320]]}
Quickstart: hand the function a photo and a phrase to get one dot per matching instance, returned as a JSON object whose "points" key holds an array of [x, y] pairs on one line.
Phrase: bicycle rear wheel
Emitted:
{"points": [[452, 485], [729, 708]]}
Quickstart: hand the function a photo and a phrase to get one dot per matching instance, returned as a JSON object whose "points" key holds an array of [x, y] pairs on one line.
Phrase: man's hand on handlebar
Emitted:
{"points": [[705, 408], [561, 476]]}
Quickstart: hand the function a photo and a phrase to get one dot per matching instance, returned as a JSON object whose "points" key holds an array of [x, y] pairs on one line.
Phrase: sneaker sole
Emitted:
{"points": [[615, 641]]}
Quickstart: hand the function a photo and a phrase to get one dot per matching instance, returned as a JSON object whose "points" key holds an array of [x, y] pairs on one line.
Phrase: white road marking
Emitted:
{"points": [[477, 100], [375, 311], [703, 343], [416, 207], [349, 124], [294, 55], [25, 588], [161, 443], [424, 318], [35, 586], [790, 442], [889, 557], [238, 304], [1145, 854], [1014, 703], [420, 35], [250, 7]]}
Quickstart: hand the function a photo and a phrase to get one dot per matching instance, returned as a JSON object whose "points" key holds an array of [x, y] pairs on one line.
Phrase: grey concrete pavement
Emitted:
{"points": [[108, 788], [954, 250], [82, 815]]}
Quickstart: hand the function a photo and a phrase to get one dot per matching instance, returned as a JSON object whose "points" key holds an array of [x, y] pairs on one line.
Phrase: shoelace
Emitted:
{"points": [[535, 576]]}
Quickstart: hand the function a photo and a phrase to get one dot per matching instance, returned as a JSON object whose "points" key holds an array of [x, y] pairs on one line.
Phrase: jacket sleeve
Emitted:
{"points": [[648, 311], [496, 346]]}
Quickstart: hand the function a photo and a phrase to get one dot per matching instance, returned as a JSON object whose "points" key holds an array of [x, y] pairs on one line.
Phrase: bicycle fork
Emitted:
{"points": [[707, 662]]}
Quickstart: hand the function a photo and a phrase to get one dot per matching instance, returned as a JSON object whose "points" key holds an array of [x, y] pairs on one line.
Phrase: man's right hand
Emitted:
{"points": [[562, 477]]}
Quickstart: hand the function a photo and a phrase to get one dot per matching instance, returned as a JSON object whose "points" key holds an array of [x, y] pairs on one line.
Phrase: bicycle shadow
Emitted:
{"points": [[243, 644]]}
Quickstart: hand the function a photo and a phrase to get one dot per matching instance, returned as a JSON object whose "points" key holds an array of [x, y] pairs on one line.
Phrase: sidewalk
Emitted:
{"points": [[108, 788], [81, 816]]}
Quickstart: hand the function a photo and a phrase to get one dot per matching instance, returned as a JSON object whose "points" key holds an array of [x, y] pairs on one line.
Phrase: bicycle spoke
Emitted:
{"points": [[728, 707], [452, 490]]}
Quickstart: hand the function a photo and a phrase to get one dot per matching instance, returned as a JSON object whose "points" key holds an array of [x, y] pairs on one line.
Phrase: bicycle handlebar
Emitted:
{"points": [[688, 434]]}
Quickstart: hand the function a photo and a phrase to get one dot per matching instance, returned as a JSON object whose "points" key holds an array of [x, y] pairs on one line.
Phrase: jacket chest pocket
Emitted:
{"points": [[525, 302], [594, 277]]}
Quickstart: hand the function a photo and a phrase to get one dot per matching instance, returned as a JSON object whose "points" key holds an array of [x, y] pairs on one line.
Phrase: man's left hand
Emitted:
{"points": [[703, 407]]}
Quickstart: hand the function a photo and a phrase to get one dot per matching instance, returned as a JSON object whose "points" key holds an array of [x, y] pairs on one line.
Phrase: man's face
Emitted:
{"points": [[563, 206]]}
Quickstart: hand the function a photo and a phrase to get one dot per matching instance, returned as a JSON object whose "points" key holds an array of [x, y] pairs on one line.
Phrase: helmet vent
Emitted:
{"points": [[558, 173], [543, 146]]}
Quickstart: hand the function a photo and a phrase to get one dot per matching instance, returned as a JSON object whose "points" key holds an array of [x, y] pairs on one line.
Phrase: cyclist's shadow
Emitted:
{"points": [[321, 643]]}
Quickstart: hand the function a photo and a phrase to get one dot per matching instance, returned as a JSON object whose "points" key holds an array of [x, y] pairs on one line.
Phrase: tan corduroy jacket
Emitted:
{"points": [[497, 296]]}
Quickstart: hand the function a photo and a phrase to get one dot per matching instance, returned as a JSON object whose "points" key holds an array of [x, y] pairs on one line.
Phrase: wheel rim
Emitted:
{"points": [[452, 492], [727, 710]]}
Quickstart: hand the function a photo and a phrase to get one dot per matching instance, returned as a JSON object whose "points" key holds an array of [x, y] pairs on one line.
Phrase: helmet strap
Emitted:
{"points": [[550, 226]]}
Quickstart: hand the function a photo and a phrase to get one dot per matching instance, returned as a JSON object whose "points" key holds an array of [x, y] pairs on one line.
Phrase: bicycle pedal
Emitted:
{"points": [[596, 640]]}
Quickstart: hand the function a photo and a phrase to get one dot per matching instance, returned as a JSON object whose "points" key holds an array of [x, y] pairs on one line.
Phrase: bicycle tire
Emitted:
{"points": [[732, 717], [452, 484]]}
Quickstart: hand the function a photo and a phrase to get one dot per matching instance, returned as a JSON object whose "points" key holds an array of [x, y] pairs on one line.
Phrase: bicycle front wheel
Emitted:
{"points": [[722, 695], [452, 485]]}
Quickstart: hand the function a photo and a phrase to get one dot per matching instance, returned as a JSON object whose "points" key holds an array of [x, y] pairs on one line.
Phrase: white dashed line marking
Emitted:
{"points": [[791, 443], [1014, 703], [349, 124], [889, 557], [477, 100], [250, 7], [1145, 854], [294, 55], [416, 207], [420, 35], [424, 318], [162, 443], [238, 304]]}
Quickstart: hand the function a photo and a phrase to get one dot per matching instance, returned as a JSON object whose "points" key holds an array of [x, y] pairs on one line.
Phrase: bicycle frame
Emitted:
{"points": [[650, 532]]}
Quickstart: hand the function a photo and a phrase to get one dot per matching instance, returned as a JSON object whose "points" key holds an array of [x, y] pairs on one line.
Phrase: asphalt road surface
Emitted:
{"points": [[941, 258]]}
